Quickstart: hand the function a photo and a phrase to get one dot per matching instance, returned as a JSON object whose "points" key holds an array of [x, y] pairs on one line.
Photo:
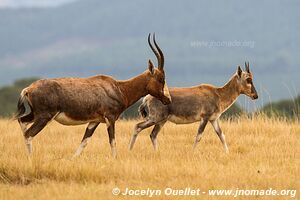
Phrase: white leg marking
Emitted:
{"points": [[81, 147], [91, 125], [133, 137], [28, 142], [154, 142], [107, 122], [113, 149], [198, 138], [220, 134], [23, 127], [224, 143], [112, 142]]}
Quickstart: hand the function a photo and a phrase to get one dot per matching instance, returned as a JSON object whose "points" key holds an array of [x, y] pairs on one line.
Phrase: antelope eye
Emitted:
{"points": [[161, 79]]}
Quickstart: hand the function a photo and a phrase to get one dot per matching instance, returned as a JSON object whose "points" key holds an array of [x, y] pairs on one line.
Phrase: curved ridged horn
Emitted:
{"points": [[154, 50], [162, 59], [247, 67]]}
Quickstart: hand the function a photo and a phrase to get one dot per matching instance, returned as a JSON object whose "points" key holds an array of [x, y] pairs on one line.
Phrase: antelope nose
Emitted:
{"points": [[255, 96]]}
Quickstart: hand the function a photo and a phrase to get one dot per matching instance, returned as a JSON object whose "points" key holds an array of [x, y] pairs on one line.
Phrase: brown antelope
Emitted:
{"points": [[203, 103], [93, 100]]}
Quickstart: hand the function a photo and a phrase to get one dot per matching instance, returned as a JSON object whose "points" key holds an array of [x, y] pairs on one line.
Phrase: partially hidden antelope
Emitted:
{"points": [[93, 100], [204, 103]]}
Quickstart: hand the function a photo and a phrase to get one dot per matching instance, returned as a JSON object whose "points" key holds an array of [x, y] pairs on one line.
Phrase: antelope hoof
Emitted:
{"points": [[75, 155], [226, 150], [195, 145], [132, 141], [114, 153], [154, 143], [155, 147]]}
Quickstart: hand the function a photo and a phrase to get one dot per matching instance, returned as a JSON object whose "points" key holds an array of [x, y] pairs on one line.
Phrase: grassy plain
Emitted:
{"points": [[264, 153]]}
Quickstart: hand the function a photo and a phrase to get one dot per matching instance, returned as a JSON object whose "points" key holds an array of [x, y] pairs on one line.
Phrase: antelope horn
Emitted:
{"points": [[247, 67], [154, 51], [162, 59]]}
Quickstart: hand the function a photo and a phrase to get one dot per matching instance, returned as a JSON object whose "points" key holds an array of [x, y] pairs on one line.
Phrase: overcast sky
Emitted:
{"points": [[31, 3]]}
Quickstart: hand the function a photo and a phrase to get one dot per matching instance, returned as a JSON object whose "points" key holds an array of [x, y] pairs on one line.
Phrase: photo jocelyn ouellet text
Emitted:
{"points": [[188, 191]]}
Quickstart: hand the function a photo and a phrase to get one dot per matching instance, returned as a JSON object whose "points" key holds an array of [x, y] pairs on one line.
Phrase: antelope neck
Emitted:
{"points": [[229, 93], [134, 88]]}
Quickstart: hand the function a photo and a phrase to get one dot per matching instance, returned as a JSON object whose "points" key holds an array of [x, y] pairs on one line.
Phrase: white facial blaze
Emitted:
{"points": [[166, 91]]}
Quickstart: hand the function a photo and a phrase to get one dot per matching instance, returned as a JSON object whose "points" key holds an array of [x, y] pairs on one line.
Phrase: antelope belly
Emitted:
{"points": [[183, 120], [62, 118]]}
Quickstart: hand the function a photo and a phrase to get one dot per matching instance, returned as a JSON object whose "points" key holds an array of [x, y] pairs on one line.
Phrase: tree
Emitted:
{"points": [[234, 111], [9, 96]]}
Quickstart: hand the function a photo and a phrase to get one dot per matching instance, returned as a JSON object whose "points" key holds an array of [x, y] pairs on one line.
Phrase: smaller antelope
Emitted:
{"points": [[204, 103], [93, 100]]}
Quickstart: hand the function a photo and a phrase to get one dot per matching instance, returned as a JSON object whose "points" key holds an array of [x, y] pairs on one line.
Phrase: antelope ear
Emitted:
{"points": [[239, 71], [150, 66]]}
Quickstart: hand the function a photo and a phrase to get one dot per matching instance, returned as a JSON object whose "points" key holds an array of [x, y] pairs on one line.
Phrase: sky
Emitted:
{"points": [[31, 3], [90, 37]]}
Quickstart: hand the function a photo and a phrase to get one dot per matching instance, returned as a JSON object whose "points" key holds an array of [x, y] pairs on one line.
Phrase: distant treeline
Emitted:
{"points": [[286, 108]]}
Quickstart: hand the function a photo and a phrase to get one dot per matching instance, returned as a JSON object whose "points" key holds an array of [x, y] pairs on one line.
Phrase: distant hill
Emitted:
{"points": [[9, 96], [87, 37]]}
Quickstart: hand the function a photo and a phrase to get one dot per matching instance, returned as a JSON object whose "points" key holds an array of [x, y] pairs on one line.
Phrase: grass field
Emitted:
{"points": [[264, 153]]}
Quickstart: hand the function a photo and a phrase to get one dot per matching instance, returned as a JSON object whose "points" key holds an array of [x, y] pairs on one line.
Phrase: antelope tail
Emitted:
{"points": [[21, 109], [142, 108]]}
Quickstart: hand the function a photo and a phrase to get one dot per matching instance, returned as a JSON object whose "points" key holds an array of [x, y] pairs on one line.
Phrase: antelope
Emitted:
{"points": [[204, 103], [92, 100]]}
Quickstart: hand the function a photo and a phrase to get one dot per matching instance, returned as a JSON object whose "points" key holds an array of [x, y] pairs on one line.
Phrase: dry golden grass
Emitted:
{"points": [[264, 153]]}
